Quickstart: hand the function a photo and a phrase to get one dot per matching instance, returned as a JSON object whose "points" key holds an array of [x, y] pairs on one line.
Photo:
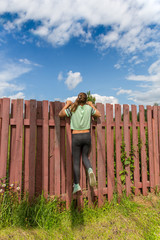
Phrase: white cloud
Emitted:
{"points": [[28, 62], [60, 76], [134, 25], [73, 79], [9, 73], [17, 95], [12, 71], [99, 99], [117, 66], [123, 91], [150, 92]]}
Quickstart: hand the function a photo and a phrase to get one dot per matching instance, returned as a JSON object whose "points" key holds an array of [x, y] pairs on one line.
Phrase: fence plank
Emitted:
{"points": [[80, 201], [69, 164], [57, 149], [135, 147], [101, 160], [150, 148], [38, 187], [45, 148], [143, 150], [12, 145], [93, 163], [32, 148], [19, 143], [159, 139], [63, 162], [52, 151], [26, 147], [110, 151], [4, 137], [127, 145], [1, 102], [118, 143], [155, 142]]}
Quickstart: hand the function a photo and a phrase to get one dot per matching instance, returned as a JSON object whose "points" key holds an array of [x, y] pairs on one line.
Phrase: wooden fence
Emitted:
{"points": [[35, 150]]}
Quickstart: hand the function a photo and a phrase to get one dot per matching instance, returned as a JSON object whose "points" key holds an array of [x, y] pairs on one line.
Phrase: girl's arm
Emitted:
{"points": [[62, 113], [97, 113]]}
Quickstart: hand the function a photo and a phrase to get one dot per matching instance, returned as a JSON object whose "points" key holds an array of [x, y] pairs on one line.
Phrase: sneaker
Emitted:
{"points": [[92, 179], [76, 188]]}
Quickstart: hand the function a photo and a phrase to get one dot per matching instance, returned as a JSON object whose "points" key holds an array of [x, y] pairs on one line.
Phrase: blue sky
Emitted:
{"points": [[54, 49]]}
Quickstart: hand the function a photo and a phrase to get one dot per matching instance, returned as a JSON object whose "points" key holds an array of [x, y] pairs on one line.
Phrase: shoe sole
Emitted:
{"points": [[92, 179]]}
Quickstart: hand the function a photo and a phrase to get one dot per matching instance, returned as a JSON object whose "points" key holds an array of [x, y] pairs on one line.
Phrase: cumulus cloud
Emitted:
{"points": [[73, 79], [150, 92], [99, 99], [129, 25]]}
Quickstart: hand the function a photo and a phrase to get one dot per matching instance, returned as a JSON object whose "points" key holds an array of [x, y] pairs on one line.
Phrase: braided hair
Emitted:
{"points": [[81, 99]]}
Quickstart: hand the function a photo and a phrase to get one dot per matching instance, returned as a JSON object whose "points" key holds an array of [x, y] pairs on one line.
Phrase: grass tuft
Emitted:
{"points": [[131, 218]]}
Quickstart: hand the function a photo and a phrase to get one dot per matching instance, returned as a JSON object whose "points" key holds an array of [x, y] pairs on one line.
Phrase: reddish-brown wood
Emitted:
{"points": [[150, 148], [69, 183], [159, 139], [57, 149], [32, 148], [26, 147], [92, 157], [45, 148], [12, 144], [1, 102], [110, 151], [52, 151], [135, 148], [19, 143], [4, 137], [45, 133], [143, 150], [63, 161], [118, 132], [126, 132], [155, 143], [80, 196], [101, 160], [39, 151]]}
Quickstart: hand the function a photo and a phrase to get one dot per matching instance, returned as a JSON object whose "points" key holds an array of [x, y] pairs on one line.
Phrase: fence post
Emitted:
{"points": [[110, 151], [118, 133], [38, 188], [63, 161], [101, 160], [143, 150], [57, 149], [155, 146], [127, 144], [150, 147], [45, 149], [135, 146], [5, 108], [69, 164]]}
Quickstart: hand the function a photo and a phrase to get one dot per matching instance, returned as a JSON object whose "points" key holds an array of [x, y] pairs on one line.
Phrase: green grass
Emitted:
{"points": [[132, 218]]}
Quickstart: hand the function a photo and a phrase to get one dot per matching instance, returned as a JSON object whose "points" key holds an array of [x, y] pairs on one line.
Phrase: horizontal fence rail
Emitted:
{"points": [[36, 156]]}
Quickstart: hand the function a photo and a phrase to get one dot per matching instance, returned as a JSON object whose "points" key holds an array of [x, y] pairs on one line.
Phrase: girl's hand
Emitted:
{"points": [[68, 102], [89, 103]]}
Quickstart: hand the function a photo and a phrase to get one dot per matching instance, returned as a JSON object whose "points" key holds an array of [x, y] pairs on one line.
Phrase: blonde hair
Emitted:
{"points": [[81, 99]]}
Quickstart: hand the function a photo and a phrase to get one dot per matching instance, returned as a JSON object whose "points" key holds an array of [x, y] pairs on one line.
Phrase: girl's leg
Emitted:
{"points": [[85, 150], [76, 152]]}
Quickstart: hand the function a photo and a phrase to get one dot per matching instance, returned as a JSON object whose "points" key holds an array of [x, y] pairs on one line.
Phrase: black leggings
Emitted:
{"points": [[81, 143]]}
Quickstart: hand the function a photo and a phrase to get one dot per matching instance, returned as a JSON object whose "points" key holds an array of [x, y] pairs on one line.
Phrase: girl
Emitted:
{"points": [[80, 113]]}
